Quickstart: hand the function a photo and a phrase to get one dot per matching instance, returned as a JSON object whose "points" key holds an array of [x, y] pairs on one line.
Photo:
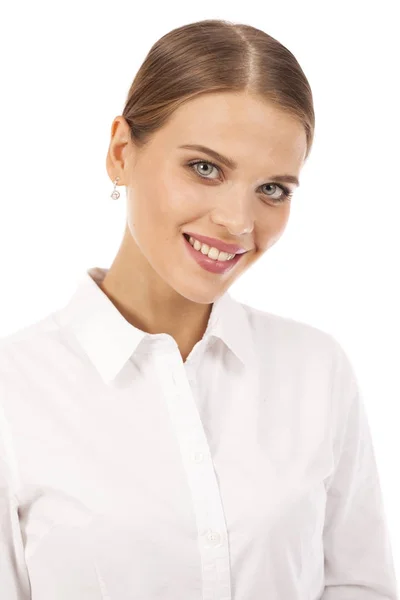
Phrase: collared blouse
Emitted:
{"points": [[246, 472]]}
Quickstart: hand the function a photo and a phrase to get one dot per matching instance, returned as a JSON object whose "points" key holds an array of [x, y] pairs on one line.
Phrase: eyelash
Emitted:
{"points": [[287, 193]]}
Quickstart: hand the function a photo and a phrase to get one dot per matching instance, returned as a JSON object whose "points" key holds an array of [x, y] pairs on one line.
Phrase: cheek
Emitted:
{"points": [[172, 194], [183, 193], [275, 224], [144, 217], [273, 237]]}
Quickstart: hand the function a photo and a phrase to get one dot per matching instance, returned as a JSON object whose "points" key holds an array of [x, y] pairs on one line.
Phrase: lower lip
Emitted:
{"points": [[213, 266]]}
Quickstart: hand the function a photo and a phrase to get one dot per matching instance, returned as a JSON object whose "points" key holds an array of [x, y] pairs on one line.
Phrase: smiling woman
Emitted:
{"points": [[214, 149], [158, 439]]}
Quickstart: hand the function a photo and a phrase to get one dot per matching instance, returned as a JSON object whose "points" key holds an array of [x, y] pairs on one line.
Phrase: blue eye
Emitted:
{"points": [[287, 193], [202, 162], [286, 196]]}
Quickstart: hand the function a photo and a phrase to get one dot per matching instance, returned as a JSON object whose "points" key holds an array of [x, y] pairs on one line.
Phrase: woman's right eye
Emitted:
{"points": [[194, 163]]}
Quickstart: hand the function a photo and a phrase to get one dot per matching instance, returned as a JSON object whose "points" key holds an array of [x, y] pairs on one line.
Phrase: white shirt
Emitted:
{"points": [[245, 473]]}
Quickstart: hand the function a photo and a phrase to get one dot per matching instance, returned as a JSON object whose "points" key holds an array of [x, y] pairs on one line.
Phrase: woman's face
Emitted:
{"points": [[245, 205]]}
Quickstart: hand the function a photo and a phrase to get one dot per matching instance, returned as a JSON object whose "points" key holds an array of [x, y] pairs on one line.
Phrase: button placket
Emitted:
{"points": [[198, 457], [214, 538], [201, 477]]}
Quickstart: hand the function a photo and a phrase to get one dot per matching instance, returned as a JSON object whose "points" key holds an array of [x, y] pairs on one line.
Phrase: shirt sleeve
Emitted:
{"points": [[357, 548], [14, 579]]}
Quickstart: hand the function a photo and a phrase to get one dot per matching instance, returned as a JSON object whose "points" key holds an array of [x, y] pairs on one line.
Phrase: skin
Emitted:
{"points": [[153, 281]]}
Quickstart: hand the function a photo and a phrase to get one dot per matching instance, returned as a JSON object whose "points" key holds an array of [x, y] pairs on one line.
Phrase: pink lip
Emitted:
{"points": [[222, 246], [213, 266]]}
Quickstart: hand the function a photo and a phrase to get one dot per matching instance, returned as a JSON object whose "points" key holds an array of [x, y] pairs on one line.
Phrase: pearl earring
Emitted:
{"points": [[115, 194]]}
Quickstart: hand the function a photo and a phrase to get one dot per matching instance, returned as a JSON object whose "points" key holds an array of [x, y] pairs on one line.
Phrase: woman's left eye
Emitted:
{"points": [[286, 195]]}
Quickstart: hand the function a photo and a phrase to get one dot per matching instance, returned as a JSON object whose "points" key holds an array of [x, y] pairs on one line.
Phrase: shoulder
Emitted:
{"points": [[289, 335], [22, 349], [305, 350], [27, 332]]}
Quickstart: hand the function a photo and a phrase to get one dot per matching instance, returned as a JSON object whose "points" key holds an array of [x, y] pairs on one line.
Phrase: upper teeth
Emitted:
{"points": [[211, 252]]}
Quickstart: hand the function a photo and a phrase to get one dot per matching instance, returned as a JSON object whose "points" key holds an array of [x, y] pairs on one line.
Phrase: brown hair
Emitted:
{"points": [[215, 56]]}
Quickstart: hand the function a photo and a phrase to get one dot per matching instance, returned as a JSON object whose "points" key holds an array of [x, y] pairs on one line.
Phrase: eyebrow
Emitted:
{"points": [[232, 164]]}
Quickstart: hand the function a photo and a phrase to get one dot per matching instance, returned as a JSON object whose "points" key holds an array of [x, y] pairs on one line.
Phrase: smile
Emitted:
{"points": [[211, 265]]}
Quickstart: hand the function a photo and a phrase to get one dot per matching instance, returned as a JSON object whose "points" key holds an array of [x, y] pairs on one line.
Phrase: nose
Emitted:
{"points": [[236, 214]]}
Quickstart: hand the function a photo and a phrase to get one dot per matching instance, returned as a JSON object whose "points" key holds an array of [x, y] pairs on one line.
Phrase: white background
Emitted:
{"points": [[66, 69]]}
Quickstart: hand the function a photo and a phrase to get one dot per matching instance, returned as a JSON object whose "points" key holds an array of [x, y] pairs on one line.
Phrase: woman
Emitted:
{"points": [[158, 438]]}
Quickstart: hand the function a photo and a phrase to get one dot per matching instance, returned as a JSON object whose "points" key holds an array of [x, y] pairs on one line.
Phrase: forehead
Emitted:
{"points": [[237, 124]]}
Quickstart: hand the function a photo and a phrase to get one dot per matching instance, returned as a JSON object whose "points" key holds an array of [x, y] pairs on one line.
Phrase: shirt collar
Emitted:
{"points": [[109, 340]]}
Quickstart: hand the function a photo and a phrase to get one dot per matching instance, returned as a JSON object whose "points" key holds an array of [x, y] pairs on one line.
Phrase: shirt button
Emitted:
{"points": [[214, 537], [198, 457]]}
